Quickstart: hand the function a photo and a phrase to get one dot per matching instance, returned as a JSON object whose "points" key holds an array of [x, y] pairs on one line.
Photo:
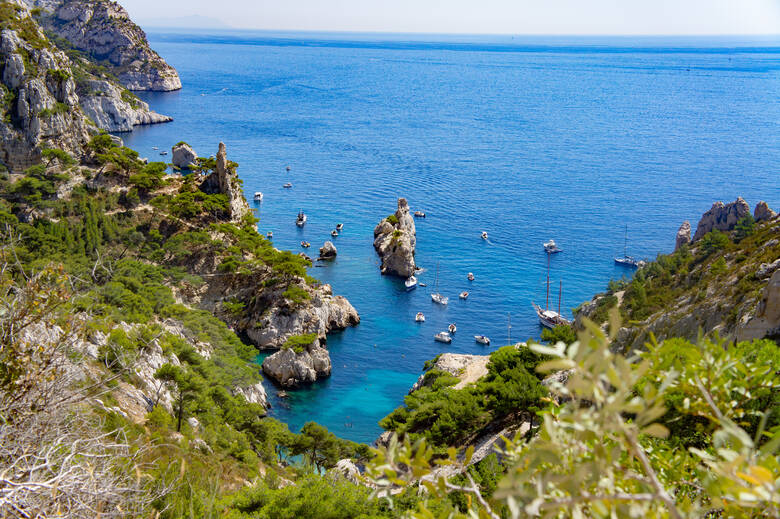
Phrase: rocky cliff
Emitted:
{"points": [[722, 217], [395, 238], [104, 31]]}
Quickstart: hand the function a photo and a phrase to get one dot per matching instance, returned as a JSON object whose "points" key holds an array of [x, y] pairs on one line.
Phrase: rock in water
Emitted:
{"points": [[395, 238], [328, 251], [183, 156], [723, 217], [683, 235], [763, 213], [291, 369]]}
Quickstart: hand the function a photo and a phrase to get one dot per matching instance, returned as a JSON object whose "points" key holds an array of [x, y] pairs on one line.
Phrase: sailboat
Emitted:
{"points": [[626, 260], [436, 297], [550, 318]]}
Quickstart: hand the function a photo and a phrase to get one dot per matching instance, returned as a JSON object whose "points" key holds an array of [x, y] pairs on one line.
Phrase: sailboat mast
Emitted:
{"points": [[547, 297], [509, 328], [625, 244], [560, 296]]}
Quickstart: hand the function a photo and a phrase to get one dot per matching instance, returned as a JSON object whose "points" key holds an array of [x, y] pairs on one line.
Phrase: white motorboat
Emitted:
{"points": [[334, 233], [436, 297], [470, 276], [452, 328], [258, 196], [288, 185], [482, 339], [155, 148], [484, 235], [300, 221], [442, 337], [410, 283], [419, 214], [269, 234], [551, 247], [339, 226], [464, 295], [419, 318], [163, 153]]}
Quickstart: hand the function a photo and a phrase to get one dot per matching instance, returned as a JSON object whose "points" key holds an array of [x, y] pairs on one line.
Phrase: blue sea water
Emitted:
{"points": [[525, 138]]}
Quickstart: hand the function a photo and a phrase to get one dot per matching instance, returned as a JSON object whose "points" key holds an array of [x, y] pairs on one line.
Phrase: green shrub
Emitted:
{"points": [[298, 343], [392, 219], [714, 241]]}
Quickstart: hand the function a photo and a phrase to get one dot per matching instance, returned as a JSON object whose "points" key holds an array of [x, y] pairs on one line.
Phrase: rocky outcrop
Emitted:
{"points": [[41, 108], [183, 156], [103, 30], [762, 212], [254, 394], [683, 235], [323, 313], [722, 217], [468, 368], [395, 238], [328, 251], [114, 109], [292, 369], [766, 321], [224, 179]]}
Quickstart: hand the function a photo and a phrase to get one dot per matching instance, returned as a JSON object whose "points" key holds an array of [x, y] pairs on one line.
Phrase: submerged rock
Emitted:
{"points": [[291, 369], [395, 238], [328, 251], [763, 213], [183, 156], [683, 235], [722, 217]]}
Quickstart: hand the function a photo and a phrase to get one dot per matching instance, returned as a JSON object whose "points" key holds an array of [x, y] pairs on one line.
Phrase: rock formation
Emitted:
{"points": [[394, 240], [766, 321], [183, 156], [225, 180], [763, 213], [722, 217], [114, 109], [468, 368], [291, 369], [328, 251], [103, 30], [683, 235]]}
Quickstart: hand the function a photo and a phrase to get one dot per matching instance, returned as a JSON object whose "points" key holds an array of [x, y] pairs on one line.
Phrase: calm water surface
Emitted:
{"points": [[527, 139]]}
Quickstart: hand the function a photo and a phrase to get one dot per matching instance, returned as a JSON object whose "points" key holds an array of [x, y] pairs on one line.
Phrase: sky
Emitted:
{"points": [[568, 17]]}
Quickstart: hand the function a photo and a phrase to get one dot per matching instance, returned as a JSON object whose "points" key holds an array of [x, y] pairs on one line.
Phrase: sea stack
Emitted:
{"points": [[328, 251], [683, 235], [291, 369], [183, 156], [224, 180], [394, 240]]}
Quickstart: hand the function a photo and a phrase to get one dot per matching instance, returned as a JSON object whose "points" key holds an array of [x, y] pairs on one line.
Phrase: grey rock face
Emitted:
{"points": [[722, 217], [395, 241], [292, 369], [683, 235], [103, 102], [225, 180], [328, 251], [763, 213], [183, 156]]}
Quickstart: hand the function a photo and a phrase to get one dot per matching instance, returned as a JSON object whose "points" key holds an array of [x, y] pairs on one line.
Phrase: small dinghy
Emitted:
{"points": [[288, 185], [155, 148], [334, 233], [419, 318], [410, 283], [163, 153], [258, 196], [550, 247], [419, 214], [464, 295], [339, 226], [423, 284], [288, 168], [484, 235], [482, 339], [442, 337], [300, 221], [269, 234], [305, 244], [452, 328], [470, 276]]}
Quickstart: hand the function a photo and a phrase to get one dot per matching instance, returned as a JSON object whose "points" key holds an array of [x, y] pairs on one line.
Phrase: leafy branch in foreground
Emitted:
{"points": [[603, 449]]}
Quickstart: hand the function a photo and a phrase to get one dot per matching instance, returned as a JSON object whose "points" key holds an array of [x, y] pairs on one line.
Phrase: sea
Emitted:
{"points": [[602, 144]]}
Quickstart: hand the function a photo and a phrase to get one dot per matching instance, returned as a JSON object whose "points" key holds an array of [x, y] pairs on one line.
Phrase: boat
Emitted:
{"points": [[419, 214], [155, 148], [423, 284], [288, 185], [258, 196], [547, 317], [470, 276], [442, 337], [269, 234], [410, 283], [452, 328], [484, 235], [300, 221], [482, 339], [282, 394], [305, 244], [626, 260], [436, 297], [339, 226], [551, 247], [419, 318], [334, 233], [288, 168], [163, 153], [464, 295]]}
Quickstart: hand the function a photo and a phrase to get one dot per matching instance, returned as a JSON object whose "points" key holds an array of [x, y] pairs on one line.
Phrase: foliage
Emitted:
{"points": [[323, 449], [714, 241], [52, 154], [296, 295], [562, 333], [744, 228], [149, 178], [393, 219], [298, 343]]}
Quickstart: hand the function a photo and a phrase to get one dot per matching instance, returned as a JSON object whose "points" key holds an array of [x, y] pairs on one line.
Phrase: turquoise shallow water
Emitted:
{"points": [[527, 139]]}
